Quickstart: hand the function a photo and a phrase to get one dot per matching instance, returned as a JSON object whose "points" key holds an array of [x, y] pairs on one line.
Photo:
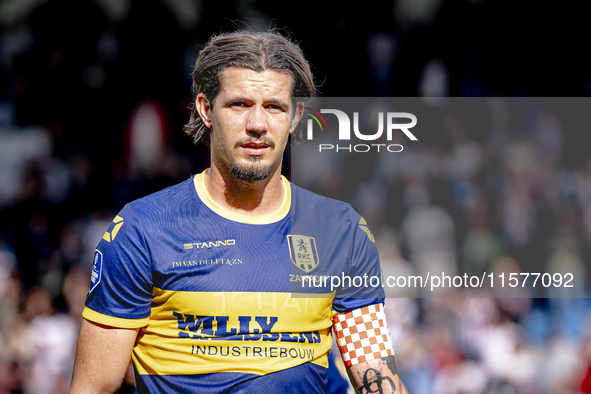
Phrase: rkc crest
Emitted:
{"points": [[303, 252]]}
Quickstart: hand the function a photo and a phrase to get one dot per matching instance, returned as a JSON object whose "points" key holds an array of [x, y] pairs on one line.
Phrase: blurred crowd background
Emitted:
{"points": [[487, 188], [93, 97]]}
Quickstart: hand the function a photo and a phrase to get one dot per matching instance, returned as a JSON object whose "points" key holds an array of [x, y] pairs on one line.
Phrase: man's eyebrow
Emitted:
{"points": [[280, 103], [238, 99]]}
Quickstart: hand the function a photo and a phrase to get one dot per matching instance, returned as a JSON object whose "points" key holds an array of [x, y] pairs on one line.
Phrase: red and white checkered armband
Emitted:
{"points": [[362, 335]]}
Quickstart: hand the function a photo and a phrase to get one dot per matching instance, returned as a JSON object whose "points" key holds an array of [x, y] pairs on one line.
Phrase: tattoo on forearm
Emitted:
{"points": [[373, 382], [378, 377]]}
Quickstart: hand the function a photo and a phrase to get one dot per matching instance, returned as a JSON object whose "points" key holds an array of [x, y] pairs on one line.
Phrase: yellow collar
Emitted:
{"points": [[199, 181]]}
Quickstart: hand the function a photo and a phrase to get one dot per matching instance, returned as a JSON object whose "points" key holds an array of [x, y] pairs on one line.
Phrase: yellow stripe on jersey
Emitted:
{"points": [[199, 182], [258, 333], [112, 321]]}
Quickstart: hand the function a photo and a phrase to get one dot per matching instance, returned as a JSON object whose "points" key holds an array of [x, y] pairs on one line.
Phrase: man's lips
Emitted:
{"points": [[255, 149]]}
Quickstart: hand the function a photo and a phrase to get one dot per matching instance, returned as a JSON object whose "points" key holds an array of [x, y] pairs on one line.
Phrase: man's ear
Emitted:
{"points": [[299, 110], [203, 107]]}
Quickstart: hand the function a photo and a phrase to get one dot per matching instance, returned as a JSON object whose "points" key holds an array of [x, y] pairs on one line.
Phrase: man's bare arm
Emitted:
{"points": [[377, 376], [364, 342], [102, 357]]}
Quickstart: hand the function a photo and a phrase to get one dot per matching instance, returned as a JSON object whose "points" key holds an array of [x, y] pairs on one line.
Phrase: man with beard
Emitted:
{"points": [[202, 283]]}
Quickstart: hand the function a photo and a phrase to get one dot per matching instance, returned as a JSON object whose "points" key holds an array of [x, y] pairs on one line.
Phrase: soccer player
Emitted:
{"points": [[204, 285]]}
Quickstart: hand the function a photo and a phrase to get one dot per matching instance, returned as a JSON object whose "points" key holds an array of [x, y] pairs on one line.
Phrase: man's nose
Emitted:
{"points": [[257, 121]]}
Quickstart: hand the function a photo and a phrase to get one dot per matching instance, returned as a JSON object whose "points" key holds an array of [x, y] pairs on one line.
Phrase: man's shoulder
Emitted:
{"points": [[317, 199], [304, 200], [165, 200]]}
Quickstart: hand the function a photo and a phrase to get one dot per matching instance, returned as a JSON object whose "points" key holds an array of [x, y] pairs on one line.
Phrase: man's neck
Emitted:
{"points": [[247, 198]]}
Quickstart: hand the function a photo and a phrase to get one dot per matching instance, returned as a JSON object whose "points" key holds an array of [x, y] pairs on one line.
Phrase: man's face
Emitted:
{"points": [[250, 122]]}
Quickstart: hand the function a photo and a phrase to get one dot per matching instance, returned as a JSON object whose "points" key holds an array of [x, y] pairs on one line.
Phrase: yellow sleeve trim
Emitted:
{"points": [[112, 321]]}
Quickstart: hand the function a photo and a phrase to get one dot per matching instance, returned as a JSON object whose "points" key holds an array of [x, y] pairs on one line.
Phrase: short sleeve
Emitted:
{"points": [[365, 286], [121, 283]]}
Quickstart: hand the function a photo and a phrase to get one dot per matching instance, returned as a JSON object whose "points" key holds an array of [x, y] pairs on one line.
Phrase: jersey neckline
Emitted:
{"points": [[273, 217]]}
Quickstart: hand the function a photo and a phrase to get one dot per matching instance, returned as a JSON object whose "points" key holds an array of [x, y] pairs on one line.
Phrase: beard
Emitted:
{"points": [[253, 171]]}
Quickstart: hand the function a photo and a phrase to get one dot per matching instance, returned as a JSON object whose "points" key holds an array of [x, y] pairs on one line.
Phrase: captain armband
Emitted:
{"points": [[362, 335]]}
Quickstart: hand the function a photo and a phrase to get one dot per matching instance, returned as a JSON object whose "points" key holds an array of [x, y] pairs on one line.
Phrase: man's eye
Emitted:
{"points": [[275, 107], [239, 104]]}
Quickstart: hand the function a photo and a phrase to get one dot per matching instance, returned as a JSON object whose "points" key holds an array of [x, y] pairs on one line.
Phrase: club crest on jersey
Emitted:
{"points": [[302, 251]]}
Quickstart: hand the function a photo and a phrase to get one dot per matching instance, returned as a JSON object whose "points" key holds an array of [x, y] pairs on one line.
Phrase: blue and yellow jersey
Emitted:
{"points": [[228, 302]]}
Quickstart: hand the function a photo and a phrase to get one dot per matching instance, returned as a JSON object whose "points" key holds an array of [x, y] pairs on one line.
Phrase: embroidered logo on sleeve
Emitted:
{"points": [[97, 269], [362, 335]]}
